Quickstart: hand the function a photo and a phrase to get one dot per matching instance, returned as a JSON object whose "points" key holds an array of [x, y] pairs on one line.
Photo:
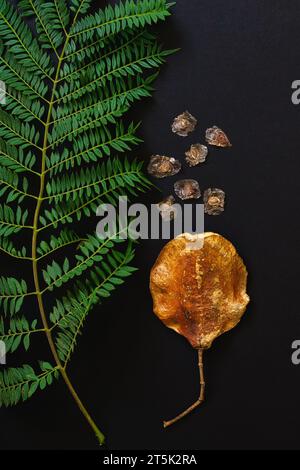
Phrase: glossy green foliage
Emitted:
{"points": [[70, 77]]}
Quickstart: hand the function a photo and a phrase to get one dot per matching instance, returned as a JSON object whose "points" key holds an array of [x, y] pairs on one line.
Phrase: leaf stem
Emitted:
{"points": [[71, 242], [21, 333], [110, 53], [84, 127], [13, 255], [55, 222], [82, 408], [91, 149], [22, 80], [90, 296], [34, 9], [116, 20], [111, 72], [43, 316], [201, 395], [82, 263], [17, 296], [18, 384], [89, 185], [25, 48], [32, 196], [97, 103]]}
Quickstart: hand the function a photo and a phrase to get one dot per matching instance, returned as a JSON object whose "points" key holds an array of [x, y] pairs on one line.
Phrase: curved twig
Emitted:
{"points": [[201, 395]]}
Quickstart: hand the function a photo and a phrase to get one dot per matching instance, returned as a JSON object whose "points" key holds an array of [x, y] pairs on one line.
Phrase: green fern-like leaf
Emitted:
{"points": [[18, 333], [20, 383], [12, 293], [18, 39], [70, 75]]}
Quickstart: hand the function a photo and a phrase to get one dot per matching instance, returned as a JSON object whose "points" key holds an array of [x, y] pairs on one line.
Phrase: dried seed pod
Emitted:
{"points": [[198, 285], [187, 189], [215, 136], [184, 124], [197, 154], [161, 166], [167, 211], [214, 201]]}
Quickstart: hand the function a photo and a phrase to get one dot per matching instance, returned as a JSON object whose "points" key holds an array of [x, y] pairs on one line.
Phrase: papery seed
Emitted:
{"points": [[184, 124], [161, 166], [197, 154], [187, 189], [215, 136]]}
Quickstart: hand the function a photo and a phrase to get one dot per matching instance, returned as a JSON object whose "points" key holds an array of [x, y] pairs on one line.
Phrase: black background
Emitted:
{"points": [[237, 61]]}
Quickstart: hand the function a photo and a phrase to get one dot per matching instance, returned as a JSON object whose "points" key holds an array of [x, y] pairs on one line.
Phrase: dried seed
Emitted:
{"points": [[197, 154], [162, 166], [184, 124], [215, 136], [214, 201], [187, 189], [167, 211]]}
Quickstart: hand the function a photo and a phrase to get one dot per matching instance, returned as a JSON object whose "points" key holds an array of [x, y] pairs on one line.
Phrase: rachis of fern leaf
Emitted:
{"points": [[69, 81]]}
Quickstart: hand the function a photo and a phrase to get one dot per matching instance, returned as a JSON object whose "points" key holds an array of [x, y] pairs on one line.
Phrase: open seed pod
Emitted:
{"points": [[198, 285]]}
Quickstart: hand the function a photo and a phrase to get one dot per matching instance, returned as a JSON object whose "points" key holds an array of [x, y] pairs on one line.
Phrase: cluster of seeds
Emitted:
{"points": [[162, 166]]}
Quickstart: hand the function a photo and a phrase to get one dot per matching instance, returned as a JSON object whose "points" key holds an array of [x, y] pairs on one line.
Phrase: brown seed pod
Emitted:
{"points": [[215, 136], [187, 189], [161, 166], [214, 201], [198, 285], [196, 154], [184, 124]]}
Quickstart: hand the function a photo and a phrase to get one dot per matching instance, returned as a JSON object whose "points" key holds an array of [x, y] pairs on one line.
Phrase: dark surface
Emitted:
{"points": [[235, 69]]}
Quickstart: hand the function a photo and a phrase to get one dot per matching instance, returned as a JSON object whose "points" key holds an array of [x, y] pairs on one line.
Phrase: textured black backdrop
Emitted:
{"points": [[235, 69]]}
